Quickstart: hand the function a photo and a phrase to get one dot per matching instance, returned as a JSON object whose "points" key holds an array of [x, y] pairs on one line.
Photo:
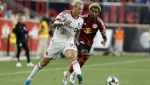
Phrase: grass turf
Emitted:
{"points": [[131, 70]]}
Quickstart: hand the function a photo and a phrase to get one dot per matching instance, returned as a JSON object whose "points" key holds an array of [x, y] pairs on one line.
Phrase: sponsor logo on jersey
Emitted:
{"points": [[87, 30], [73, 28]]}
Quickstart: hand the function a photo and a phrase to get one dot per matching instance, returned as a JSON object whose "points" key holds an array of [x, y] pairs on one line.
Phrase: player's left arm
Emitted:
{"points": [[76, 36], [103, 31], [104, 38]]}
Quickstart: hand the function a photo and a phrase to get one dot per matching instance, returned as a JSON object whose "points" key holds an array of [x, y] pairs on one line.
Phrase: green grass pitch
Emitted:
{"points": [[131, 70]]}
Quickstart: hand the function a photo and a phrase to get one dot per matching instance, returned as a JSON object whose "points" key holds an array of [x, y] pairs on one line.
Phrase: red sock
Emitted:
{"points": [[71, 69], [82, 60]]}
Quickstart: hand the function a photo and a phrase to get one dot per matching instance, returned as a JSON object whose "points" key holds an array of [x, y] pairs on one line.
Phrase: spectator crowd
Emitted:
{"points": [[8, 13], [100, 1]]}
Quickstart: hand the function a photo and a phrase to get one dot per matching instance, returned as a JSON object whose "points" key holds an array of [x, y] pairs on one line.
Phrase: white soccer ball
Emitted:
{"points": [[112, 80]]}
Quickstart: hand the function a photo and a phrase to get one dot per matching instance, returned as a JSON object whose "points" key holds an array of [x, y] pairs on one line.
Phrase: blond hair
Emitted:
{"points": [[95, 5], [76, 2]]}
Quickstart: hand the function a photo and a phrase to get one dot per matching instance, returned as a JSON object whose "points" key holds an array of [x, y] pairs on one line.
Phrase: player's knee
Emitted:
{"points": [[71, 58], [84, 52], [44, 63]]}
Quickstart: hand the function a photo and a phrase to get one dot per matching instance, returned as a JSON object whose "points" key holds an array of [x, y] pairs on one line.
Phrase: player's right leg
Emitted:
{"points": [[83, 57], [72, 56], [81, 61], [36, 69]]}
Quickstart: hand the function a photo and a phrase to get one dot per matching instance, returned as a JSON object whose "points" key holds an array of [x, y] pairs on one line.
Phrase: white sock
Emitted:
{"points": [[34, 71], [76, 67], [73, 73]]}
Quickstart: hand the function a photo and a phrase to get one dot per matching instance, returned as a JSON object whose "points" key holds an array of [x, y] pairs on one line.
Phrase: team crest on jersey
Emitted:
{"points": [[84, 23], [95, 25], [78, 24]]}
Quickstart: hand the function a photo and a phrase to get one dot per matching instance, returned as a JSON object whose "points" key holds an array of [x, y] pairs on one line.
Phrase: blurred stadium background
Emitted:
{"points": [[132, 15]]}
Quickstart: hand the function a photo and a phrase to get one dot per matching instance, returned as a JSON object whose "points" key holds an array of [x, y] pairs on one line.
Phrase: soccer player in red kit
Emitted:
{"points": [[91, 25]]}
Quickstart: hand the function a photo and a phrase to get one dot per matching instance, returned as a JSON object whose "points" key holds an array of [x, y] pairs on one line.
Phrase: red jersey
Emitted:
{"points": [[89, 30]]}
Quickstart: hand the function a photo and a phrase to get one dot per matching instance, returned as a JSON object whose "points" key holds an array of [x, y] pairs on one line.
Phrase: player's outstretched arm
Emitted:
{"points": [[60, 23]]}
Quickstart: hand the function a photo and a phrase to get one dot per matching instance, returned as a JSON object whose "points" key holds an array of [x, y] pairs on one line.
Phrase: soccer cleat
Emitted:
{"points": [[72, 78], [30, 64], [27, 82], [18, 64], [66, 74], [79, 76]]}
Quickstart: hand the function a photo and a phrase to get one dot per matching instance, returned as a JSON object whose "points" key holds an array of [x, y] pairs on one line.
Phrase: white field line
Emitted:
{"points": [[111, 63], [121, 62], [129, 70]]}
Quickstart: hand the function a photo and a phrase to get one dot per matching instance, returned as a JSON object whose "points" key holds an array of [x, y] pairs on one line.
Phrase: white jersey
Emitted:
{"points": [[66, 32]]}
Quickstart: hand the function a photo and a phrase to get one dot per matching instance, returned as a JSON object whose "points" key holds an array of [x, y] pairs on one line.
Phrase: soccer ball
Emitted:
{"points": [[112, 80]]}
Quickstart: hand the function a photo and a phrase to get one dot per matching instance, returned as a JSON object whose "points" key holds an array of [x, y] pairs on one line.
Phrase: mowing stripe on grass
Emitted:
{"points": [[110, 63]]}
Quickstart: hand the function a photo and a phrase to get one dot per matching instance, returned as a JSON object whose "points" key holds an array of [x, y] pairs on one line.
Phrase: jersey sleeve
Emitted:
{"points": [[101, 25], [61, 16]]}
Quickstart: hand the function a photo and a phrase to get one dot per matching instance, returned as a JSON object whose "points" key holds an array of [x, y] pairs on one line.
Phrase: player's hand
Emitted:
{"points": [[51, 26], [103, 42], [67, 22]]}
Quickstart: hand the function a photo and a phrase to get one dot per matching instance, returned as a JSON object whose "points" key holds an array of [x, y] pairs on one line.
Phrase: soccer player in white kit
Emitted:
{"points": [[67, 24]]}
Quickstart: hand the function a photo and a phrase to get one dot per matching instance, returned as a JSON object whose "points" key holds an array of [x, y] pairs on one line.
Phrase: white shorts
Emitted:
{"points": [[55, 48]]}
